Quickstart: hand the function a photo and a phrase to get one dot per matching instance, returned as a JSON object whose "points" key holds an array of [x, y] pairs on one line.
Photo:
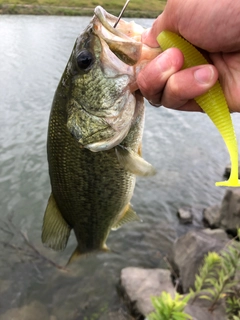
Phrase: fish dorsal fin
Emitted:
{"points": [[55, 231], [132, 162], [128, 215]]}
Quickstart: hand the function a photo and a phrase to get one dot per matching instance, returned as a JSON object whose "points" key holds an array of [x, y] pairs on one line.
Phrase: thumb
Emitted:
{"points": [[148, 38], [163, 22]]}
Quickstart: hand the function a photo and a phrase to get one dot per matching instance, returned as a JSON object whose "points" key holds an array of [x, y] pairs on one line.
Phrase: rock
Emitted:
{"points": [[211, 216], [35, 310], [218, 234], [228, 171], [199, 311], [190, 249], [185, 215], [230, 210], [140, 284]]}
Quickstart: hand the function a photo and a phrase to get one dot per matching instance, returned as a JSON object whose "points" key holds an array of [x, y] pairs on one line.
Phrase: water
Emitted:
{"points": [[185, 148]]}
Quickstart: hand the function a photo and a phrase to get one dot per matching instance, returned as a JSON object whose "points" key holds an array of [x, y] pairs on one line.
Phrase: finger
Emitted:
{"points": [[187, 84], [153, 77], [228, 65]]}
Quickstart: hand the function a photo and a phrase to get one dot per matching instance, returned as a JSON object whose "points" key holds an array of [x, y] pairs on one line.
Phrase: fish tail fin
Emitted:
{"points": [[77, 254]]}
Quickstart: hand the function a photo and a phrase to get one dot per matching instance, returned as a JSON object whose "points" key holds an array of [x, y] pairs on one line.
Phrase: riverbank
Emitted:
{"points": [[70, 8]]}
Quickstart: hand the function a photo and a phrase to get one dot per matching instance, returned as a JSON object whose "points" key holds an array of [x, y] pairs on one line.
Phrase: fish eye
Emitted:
{"points": [[84, 59]]}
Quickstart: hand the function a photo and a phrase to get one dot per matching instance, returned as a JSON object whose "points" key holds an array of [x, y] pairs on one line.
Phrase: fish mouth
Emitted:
{"points": [[124, 40], [124, 30]]}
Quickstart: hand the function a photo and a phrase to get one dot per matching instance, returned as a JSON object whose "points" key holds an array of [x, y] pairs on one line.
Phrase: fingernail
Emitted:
{"points": [[204, 74], [164, 61]]}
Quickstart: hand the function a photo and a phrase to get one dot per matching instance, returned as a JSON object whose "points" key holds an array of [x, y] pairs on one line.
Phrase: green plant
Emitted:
{"points": [[167, 308], [206, 273], [233, 307], [219, 282], [214, 282]]}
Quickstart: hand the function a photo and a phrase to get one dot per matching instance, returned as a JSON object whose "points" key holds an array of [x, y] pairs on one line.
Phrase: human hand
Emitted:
{"points": [[215, 29]]}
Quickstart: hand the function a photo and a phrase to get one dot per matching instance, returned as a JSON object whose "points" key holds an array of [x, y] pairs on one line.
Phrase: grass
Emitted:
{"points": [[136, 8]]}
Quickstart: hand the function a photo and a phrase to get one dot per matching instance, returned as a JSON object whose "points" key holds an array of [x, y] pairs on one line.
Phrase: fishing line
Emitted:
{"points": [[121, 13]]}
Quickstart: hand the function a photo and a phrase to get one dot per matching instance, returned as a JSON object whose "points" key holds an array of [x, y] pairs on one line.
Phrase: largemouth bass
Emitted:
{"points": [[94, 136]]}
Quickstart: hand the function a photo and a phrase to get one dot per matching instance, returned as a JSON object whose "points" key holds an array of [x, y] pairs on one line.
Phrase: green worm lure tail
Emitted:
{"points": [[213, 102]]}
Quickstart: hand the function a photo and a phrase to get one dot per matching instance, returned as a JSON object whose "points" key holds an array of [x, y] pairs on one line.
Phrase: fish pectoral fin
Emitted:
{"points": [[140, 150], [55, 231], [128, 215], [132, 162]]}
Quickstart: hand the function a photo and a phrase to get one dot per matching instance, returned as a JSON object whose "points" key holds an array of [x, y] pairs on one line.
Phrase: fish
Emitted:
{"points": [[94, 144]]}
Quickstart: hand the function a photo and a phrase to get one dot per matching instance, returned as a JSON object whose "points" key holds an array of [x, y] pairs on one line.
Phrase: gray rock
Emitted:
{"points": [[211, 216], [230, 210], [190, 249], [217, 234], [185, 215], [141, 284], [228, 171], [199, 311]]}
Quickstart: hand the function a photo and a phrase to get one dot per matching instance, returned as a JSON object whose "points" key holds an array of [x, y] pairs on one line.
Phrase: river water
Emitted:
{"points": [[185, 148]]}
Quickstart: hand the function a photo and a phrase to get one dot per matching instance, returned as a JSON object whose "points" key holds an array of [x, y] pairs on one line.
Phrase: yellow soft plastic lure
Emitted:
{"points": [[213, 102]]}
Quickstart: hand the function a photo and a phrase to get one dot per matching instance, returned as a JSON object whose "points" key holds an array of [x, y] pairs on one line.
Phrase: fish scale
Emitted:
{"points": [[106, 90]]}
